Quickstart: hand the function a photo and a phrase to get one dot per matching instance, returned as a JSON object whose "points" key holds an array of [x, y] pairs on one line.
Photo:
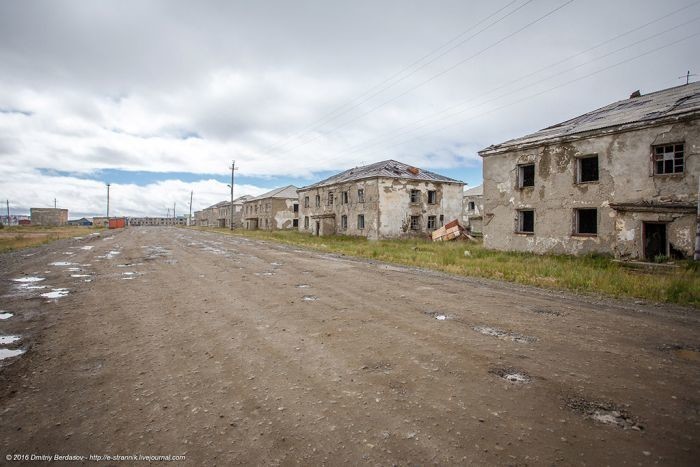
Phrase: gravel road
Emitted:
{"points": [[226, 350]]}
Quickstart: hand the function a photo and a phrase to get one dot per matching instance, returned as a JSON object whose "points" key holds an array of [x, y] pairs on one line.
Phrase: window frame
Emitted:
{"points": [[411, 196], [577, 223], [344, 197], [306, 222], [318, 200], [520, 221], [360, 225], [344, 222], [414, 223], [432, 194], [655, 160], [521, 177], [360, 195], [306, 201], [330, 198], [579, 169], [432, 220]]}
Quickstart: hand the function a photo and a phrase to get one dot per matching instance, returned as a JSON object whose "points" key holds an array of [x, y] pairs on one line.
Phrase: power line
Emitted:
{"points": [[437, 75], [382, 86]]}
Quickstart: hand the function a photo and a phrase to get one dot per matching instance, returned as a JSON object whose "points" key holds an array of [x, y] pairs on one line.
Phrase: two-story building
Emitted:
{"points": [[275, 210], [381, 200], [472, 207], [621, 180], [219, 214]]}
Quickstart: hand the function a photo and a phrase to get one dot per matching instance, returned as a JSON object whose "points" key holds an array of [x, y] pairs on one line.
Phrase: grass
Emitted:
{"points": [[15, 238], [592, 274]]}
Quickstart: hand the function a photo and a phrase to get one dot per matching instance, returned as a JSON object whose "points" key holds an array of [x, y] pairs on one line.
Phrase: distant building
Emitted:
{"points": [[156, 221], [80, 222], [219, 214], [100, 221], [48, 216], [472, 207], [275, 210], [15, 220], [381, 200], [620, 180]]}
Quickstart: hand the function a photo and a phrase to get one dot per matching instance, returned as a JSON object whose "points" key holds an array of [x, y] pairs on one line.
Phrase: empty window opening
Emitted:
{"points": [[668, 159], [526, 221], [432, 222], [587, 221], [432, 197], [415, 196], [330, 198], [343, 222], [415, 222], [295, 223], [360, 195], [526, 175], [344, 197], [472, 206], [360, 221], [306, 222], [318, 201], [296, 207], [306, 201], [442, 220], [587, 169]]}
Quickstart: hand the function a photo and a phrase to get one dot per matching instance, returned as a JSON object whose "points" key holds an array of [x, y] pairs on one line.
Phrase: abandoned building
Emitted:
{"points": [[150, 221], [472, 207], [84, 222], [48, 216], [621, 180], [275, 210], [381, 200], [219, 214]]}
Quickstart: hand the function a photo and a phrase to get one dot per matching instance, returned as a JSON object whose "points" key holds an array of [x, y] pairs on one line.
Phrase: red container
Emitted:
{"points": [[118, 223]]}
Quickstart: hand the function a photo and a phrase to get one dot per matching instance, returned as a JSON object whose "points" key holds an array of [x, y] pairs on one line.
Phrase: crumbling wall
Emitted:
{"points": [[49, 216]]}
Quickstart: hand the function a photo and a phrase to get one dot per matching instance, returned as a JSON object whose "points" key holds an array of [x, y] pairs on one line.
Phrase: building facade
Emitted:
{"points": [[48, 216], [219, 214], [275, 210], [387, 199], [621, 180], [472, 207], [156, 221]]}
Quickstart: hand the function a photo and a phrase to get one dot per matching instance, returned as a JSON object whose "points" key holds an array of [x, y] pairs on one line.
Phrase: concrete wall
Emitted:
{"points": [[269, 214], [472, 218], [387, 207], [220, 216], [626, 175], [48, 216]]}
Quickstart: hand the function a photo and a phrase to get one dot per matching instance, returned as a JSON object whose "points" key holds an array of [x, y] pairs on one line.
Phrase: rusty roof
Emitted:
{"points": [[386, 169], [646, 109]]}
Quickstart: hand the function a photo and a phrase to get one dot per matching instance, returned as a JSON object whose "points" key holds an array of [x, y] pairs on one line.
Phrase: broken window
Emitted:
{"points": [[526, 221], [306, 201], [343, 222], [472, 206], [344, 197], [587, 169], [442, 220], [306, 222], [295, 223], [432, 196], [360, 221], [587, 221], [526, 175], [415, 196], [296, 207], [360, 195], [330, 198], [415, 222], [432, 221], [318, 201], [668, 159]]}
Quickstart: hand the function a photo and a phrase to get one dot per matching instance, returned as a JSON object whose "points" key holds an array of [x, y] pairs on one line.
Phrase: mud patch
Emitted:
{"points": [[9, 353], [542, 311], [683, 351], [506, 335], [87, 247], [512, 375], [606, 413]]}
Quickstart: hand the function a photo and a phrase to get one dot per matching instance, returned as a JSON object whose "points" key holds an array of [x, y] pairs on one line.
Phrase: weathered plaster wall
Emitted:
{"points": [[625, 176], [269, 214], [472, 217], [48, 216], [396, 209]]}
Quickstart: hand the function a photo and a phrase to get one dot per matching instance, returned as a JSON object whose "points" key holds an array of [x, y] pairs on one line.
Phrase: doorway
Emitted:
{"points": [[655, 242], [318, 228]]}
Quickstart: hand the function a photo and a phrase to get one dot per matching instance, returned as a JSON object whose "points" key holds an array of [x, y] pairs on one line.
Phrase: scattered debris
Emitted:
{"points": [[603, 412], [501, 334], [449, 231], [512, 375]]}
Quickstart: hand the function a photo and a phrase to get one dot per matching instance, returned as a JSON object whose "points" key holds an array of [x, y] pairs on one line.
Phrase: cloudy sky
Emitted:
{"points": [[158, 97]]}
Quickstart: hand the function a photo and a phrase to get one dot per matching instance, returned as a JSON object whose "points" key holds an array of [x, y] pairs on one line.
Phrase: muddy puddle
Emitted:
{"points": [[309, 298], [5, 340], [60, 263], [436, 315], [5, 315], [683, 351], [606, 413], [28, 279], [9, 353], [302, 286], [512, 375], [506, 335], [56, 293]]}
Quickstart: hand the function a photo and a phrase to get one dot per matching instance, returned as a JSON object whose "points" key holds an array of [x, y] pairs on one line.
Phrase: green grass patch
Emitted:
{"points": [[18, 237], [592, 274]]}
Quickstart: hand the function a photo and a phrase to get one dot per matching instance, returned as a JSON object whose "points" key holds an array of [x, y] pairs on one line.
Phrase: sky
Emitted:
{"points": [[157, 98]]}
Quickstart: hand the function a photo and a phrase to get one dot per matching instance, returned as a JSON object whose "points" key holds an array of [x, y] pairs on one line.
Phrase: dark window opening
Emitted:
{"points": [[360, 221], [343, 222], [306, 222], [415, 196], [472, 206], [655, 241], [330, 198], [296, 207], [306, 201], [526, 221], [344, 197], [442, 220], [432, 197], [668, 159], [295, 223], [588, 169], [415, 222], [318, 201], [432, 220], [587, 221], [526, 175]]}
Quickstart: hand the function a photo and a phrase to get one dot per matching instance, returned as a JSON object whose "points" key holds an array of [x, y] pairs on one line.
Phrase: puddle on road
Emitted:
{"points": [[309, 298], [9, 353], [276, 264], [74, 269], [265, 274], [604, 412], [683, 351], [61, 263], [5, 315], [511, 375], [437, 315], [302, 286], [4, 340], [501, 334], [56, 293], [87, 247], [29, 279], [80, 275]]}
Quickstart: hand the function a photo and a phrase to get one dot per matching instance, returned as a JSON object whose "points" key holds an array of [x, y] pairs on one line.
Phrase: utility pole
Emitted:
{"points": [[696, 257], [54, 203], [8, 213], [173, 213], [189, 218], [687, 77], [108, 202], [233, 169]]}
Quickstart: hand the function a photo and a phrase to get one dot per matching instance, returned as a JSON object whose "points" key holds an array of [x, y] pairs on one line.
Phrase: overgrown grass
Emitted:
{"points": [[594, 273], [15, 238]]}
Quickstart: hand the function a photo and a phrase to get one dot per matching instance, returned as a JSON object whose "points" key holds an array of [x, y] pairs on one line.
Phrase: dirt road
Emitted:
{"points": [[164, 341]]}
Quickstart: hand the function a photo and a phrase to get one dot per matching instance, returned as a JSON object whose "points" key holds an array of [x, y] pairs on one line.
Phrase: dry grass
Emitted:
{"points": [[15, 238], [591, 274]]}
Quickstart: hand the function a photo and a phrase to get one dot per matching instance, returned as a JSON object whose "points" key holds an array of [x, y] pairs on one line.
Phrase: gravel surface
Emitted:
{"points": [[165, 341]]}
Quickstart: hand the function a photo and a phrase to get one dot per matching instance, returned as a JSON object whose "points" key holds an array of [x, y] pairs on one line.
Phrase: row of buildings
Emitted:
{"points": [[621, 180]]}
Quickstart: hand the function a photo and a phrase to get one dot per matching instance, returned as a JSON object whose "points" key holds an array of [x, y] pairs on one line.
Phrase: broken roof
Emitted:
{"points": [[671, 103], [476, 191], [289, 191], [388, 169]]}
